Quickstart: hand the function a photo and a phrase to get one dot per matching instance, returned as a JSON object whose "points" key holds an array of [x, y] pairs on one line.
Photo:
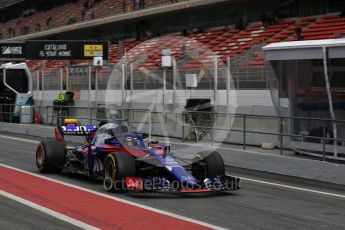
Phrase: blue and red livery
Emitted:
{"points": [[125, 162]]}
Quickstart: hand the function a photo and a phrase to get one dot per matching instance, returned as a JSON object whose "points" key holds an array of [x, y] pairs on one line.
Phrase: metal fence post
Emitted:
{"points": [[174, 81], [281, 134], [150, 126], [164, 91], [238, 78], [89, 92], [183, 122], [96, 86], [215, 82], [47, 116], [323, 149], [131, 83], [11, 113], [67, 79], [123, 83], [61, 80], [42, 82], [89, 85], [38, 84], [324, 141], [244, 131], [228, 84], [212, 131]]}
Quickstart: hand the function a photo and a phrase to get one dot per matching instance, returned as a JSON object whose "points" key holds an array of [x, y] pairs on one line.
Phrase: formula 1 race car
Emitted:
{"points": [[126, 163]]}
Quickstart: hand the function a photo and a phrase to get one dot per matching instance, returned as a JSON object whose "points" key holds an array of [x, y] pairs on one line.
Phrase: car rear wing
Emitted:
{"points": [[73, 130]]}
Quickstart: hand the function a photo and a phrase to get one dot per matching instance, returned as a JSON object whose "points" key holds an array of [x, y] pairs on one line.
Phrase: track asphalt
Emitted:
{"points": [[266, 201]]}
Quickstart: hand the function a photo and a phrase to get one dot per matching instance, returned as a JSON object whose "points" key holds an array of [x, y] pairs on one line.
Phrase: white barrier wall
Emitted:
{"points": [[247, 101], [251, 102]]}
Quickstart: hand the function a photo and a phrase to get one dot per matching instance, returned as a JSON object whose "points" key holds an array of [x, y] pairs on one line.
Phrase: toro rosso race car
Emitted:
{"points": [[126, 163]]}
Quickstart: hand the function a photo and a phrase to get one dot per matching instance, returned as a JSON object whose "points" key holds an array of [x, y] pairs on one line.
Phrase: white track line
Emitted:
{"points": [[48, 211], [19, 139], [243, 178], [120, 200], [293, 187]]}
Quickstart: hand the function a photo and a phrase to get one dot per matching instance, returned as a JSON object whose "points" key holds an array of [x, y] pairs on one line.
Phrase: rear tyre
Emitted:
{"points": [[207, 165], [50, 156], [117, 167]]}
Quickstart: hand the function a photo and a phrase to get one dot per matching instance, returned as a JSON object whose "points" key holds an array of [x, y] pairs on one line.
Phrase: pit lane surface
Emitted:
{"points": [[14, 215], [256, 206]]}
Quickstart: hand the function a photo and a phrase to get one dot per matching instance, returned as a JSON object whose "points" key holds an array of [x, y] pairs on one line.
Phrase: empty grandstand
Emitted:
{"points": [[224, 30]]}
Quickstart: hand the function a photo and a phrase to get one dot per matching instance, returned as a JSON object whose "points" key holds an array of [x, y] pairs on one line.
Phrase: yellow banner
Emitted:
{"points": [[93, 50]]}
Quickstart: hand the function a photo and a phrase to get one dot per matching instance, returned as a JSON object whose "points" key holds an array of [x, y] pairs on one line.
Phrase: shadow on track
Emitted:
{"points": [[175, 195], [147, 195]]}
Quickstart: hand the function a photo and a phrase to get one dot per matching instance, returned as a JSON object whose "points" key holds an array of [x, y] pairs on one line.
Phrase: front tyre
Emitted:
{"points": [[118, 166], [207, 165], [50, 156]]}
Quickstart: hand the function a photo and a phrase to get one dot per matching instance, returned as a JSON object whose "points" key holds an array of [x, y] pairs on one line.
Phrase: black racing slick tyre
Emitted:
{"points": [[118, 166], [207, 165], [50, 156]]}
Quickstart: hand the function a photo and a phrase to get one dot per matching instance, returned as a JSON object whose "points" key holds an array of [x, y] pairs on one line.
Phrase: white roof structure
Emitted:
{"points": [[311, 49], [305, 44]]}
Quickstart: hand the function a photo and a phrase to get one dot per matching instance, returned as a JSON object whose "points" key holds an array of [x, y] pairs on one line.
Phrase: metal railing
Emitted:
{"points": [[244, 124], [6, 112], [90, 78], [282, 129]]}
